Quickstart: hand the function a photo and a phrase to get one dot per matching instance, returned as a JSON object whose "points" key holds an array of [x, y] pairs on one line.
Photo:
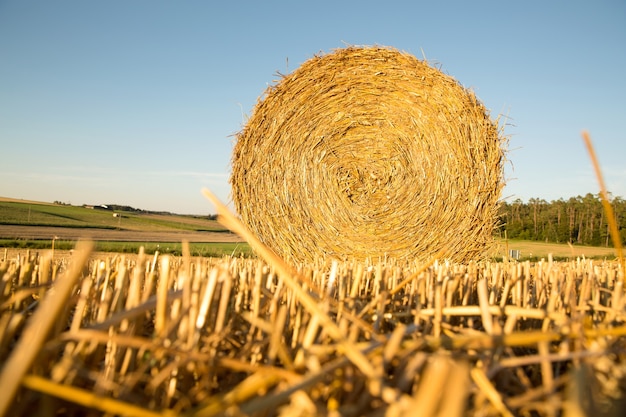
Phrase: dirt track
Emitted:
{"points": [[69, 233]]}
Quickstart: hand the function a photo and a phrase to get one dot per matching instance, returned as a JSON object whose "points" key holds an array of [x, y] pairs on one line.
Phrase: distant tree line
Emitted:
{"points": [[579, 220], [129, 209], [120, 207]]}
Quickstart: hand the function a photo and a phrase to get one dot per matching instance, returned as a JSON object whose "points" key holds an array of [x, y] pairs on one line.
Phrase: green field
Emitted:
{"points": [[217, 249], [131, 225], [39, 214], [530, 250]]}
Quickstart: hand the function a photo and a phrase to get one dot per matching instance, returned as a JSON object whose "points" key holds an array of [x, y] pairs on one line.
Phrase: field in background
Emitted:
{"points": [[39, 226], [14, 212], [34, 225], [63, 249], [537, 250]]}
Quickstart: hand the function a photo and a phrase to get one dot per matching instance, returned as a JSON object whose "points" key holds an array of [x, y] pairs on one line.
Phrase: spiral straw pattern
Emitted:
{"points": [[368, 152]]}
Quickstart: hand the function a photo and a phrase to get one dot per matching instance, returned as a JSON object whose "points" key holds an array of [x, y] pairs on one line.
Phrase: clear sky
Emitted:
{"points": [[136, 102]]}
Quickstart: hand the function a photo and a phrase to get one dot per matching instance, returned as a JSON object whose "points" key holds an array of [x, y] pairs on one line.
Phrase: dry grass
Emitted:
{"points": [[182, 336], [369, 153]]}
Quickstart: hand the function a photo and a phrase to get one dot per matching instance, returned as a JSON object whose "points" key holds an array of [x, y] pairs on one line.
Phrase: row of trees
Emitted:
{"points": [[579, 220]]}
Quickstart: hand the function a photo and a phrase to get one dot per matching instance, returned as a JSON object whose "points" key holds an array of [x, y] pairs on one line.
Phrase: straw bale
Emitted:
{"points": [[368, 152]]}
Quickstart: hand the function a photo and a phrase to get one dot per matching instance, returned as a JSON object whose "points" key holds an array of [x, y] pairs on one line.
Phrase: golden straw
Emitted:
{"points": [[33, 336], [613, 228], [369, 153]]}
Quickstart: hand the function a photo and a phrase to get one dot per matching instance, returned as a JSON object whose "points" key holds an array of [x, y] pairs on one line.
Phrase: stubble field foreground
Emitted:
{"points": [[164, 336], [101, 333], [40, 226]]}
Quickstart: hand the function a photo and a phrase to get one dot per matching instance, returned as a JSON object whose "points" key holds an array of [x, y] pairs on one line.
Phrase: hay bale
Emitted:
{"points": [[368, 152]]}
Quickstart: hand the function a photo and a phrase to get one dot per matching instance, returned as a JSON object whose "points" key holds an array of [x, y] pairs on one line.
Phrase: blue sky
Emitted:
{"points": [[136, 102]]}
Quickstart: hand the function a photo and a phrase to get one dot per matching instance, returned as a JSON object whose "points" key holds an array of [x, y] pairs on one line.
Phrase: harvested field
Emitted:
{"points": [[540, 250], [161, 336], [72, 233]]}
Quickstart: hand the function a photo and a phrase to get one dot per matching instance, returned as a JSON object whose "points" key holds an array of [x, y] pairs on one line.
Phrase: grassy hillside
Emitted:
{"points": [[41, 214], [125, 232]]}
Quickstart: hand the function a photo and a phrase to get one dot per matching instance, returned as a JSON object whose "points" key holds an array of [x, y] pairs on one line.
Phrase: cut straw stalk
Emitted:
{"points": [[613, 228], [483, 383], [304, 383], [443, 389], [248, 388], [518, 339], [31, 340], [89, 399]]}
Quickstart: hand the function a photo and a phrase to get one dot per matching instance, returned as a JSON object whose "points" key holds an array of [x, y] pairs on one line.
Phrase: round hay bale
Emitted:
{"points": [[369, 152]]}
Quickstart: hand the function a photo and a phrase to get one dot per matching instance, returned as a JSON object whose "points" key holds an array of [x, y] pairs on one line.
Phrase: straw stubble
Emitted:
{"points": [[276, 340]]}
